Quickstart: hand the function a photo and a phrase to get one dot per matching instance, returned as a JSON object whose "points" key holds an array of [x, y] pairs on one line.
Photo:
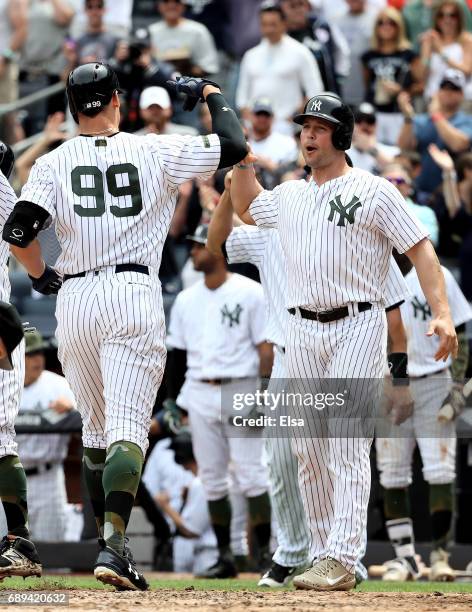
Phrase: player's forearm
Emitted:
{"points": [[244, 189], [266, 359], [407, 139], [179, 523], [221, 224], [431, 277], [397, 342], [226, 125], [31, 258]]}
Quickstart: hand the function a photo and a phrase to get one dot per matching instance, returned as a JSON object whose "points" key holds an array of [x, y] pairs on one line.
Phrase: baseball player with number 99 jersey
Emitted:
{"points": [[112, 196]]}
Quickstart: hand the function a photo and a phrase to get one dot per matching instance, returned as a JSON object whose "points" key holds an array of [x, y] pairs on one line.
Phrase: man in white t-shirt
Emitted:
{"points": [[42, 455], [276, 152], [195, 547], [366, 152], [280, 68], [217, 333]]}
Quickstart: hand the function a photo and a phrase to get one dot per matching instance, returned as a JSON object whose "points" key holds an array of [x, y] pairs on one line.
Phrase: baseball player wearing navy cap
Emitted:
{"points": [[337, 233]]}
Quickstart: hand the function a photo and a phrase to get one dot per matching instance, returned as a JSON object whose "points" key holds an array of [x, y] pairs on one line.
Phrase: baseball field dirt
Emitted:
{"points": [[184, 594]]}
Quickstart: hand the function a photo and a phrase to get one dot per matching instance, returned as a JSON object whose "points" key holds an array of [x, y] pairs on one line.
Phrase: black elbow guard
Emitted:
{"points": [[24, 223]]}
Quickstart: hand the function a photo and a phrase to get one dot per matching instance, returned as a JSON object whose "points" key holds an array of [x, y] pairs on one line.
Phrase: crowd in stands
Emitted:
{"points": [[405, 67]]}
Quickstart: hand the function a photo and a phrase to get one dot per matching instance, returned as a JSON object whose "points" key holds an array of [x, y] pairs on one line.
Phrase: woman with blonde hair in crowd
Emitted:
{"points": [[390, 66], [447, 45]]}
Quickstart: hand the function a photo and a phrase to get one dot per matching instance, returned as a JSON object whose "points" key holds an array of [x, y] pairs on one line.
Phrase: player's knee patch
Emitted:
{"points": [[123, 468]]}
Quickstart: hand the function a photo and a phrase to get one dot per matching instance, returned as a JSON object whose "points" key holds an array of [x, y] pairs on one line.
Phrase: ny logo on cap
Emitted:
{"points": [[316, 106]]}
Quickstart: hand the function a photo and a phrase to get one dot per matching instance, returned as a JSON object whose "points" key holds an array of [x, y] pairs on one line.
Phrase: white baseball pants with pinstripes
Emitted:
{"points": [[292, 530], [334, 472], [110, 337], [11, 388], [436, 441]]}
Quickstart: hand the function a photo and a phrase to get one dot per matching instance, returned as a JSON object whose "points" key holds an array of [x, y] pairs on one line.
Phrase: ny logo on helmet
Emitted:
{"points": [[316, 106], [346, 213]]}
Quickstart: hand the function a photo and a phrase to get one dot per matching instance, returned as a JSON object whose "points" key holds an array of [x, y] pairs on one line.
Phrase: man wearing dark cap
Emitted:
{"points": [[366, 152], [276, 152], [444, 125], [217, 333]]}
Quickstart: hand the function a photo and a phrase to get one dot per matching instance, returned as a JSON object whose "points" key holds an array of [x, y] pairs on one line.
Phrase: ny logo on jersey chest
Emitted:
{"points": [[420, 309], [229, 317], [346, 212]]}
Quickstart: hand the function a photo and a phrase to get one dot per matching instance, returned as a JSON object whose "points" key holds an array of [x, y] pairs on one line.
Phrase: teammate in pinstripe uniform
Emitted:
{"points": [[18, 555], [438, 399], [262, 248], [112, 196], [337, 233]]}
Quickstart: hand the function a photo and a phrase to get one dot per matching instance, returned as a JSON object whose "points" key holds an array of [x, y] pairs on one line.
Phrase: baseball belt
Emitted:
{"points": [[118, 268], [328, 316]]}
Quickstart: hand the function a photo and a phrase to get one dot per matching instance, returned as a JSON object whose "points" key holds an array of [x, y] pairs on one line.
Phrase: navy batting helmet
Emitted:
{"points": [[7, 159], [90, 88], [330, 107]]}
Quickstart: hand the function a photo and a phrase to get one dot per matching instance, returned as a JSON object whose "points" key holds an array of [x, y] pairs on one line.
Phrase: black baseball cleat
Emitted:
{"points": [[277, 576], [225, 567], [118, 570], [18, 557]]}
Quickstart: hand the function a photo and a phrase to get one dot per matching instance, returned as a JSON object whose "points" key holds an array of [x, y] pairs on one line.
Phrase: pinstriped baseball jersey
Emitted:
{"points": [[7, 202], [113, 197], [337, 238], [262, 248], [416, 316]]}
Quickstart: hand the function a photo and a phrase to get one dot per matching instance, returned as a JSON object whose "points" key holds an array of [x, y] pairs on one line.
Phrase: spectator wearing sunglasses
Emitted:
{"points": [[366, 151], [444, 125], [418, 16], [390, 67], [399, 177], [447, 45]]}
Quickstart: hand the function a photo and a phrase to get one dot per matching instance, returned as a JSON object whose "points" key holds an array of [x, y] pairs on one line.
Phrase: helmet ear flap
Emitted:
{"points": [[342, 137]]}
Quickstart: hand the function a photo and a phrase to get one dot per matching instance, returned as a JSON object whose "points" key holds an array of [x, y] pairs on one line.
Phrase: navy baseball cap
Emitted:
{"points": [[200, 236], [11, 332]]}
